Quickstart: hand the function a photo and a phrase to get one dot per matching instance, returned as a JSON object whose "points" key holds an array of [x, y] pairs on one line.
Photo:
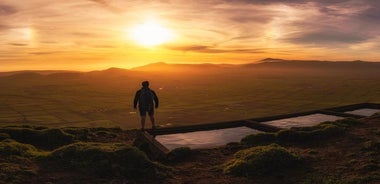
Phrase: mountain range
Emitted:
{"points": [[265, 64]]}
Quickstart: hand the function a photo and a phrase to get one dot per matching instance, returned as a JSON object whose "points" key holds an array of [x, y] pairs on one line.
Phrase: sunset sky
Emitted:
{"points": [[98, 34]]}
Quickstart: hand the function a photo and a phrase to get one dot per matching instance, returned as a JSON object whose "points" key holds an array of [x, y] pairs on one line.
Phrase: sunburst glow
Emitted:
{"points": [[151, 34]]}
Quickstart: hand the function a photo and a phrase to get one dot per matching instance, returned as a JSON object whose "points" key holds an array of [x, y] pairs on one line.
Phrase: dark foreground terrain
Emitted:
{"points": [[345, 151]]}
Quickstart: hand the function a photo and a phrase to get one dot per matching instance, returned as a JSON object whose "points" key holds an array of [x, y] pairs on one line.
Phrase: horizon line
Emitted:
{"points": [[181, 63]]}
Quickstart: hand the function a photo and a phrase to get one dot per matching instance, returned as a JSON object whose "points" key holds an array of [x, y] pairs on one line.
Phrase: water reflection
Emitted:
{"points": [[205, 139], [303, 121], [364, 112]]}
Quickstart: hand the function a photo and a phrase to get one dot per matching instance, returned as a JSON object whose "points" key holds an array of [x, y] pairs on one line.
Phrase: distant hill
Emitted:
{"points": [[165, 67], [109, 72], [24, 75], [41, 72], [315, 65], [268, 64]]}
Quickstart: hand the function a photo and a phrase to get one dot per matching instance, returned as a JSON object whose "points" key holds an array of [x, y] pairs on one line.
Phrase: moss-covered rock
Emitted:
{"points": [[143, 146], [317, 133], [107, 160], [10, 147], [80, 133], [4, 136], [41, 138], [106, 134], [261, 160], [259, 139], [85, 134], [346, 122], [179, 154]]}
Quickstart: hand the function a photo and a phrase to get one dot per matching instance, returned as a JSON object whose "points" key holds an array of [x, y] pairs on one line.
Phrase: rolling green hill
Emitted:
{"points": [[189, 94]]}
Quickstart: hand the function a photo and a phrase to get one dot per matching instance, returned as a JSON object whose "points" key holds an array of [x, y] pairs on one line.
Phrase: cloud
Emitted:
{"points": [[218, 28], [102, 2], [18, 44], [371, 14], [7, 10], [86, 34], [104, 46], [105, 4], [326, 37], [326, 2], [251, 18], [43, 53], [4, 27], [210, 49]]}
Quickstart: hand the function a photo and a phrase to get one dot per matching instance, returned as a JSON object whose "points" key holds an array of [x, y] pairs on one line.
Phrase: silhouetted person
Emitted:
{"points": [[146, 99]]}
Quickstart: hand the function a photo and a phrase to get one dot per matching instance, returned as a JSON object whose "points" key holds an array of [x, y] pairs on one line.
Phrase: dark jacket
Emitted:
{"points": [[145, 103]]}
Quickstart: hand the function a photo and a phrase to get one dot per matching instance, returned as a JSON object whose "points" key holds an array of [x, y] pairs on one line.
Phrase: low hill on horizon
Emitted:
{"points": [[265, 62], [178, 67]]}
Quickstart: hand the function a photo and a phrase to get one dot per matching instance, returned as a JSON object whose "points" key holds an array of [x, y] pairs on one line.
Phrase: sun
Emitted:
{"points": [[150, 34]]}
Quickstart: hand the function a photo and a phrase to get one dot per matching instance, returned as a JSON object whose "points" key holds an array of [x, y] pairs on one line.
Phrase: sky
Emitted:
{"points": [[98, 34]]}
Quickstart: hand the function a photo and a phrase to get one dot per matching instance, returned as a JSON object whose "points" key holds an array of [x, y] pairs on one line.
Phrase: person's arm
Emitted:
{"points": [[155, 99], [136, 99]]}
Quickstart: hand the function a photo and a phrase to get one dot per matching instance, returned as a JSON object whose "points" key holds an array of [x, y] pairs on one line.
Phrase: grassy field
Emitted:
{"points": [[188, 94]]}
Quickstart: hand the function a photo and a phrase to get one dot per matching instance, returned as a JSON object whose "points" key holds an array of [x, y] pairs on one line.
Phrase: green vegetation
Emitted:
{"points": [[322, 132], [85, 134], [372, 145], [107, 160], [26, 148], [4, 136], [62, 113], [17, 172], [10, 147], [41, 138], [338, 180], [16, 161], [198, 95], [259, 139], [303, 134], [262, 160], [107, 156], [143, 146], [179, 154]]}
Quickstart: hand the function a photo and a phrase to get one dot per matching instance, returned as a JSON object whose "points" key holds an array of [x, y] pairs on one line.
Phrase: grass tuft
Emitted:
{"points": [[16, 173], [179, 154], [10, 147], [261, 160], [372, 145], [44, 138], [107, 160], [4, 136], [259, 139], [321, 132]]}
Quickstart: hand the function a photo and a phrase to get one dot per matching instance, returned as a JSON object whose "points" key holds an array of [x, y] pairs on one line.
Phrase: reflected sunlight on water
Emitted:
{"points": [[205, 139], [302, 121], [364, 111]]}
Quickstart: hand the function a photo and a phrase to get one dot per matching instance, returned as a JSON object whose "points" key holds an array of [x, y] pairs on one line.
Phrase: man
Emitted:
{"points": [[146, 99]]}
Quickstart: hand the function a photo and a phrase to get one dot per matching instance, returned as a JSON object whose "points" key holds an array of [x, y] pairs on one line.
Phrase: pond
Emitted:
{"points": [[205, 139], [302, 121], [364, 112]]}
